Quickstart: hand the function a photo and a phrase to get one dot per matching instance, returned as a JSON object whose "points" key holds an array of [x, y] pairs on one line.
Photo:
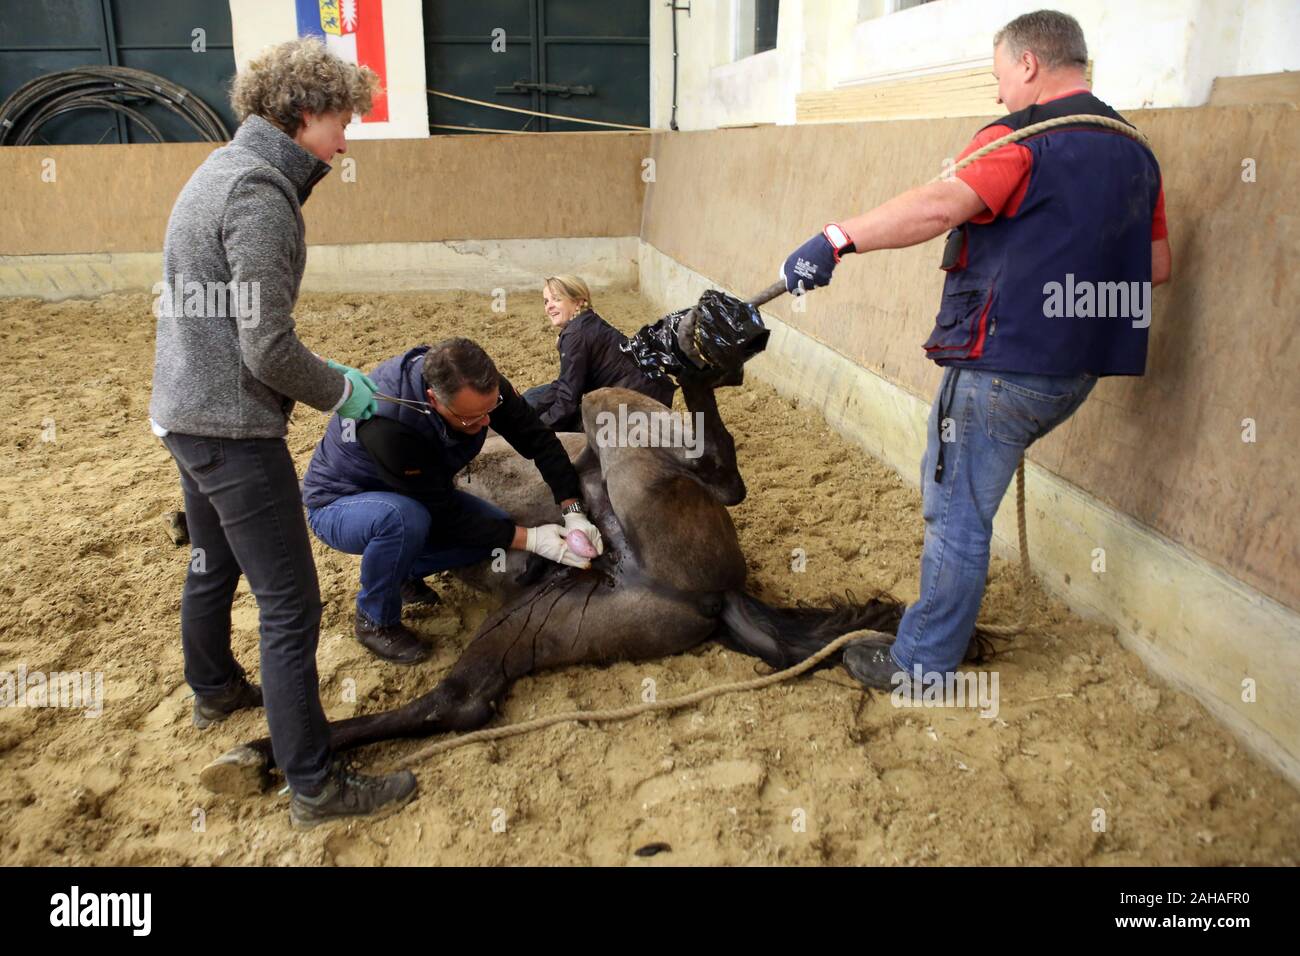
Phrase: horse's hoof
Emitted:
{"points": [[177, 528], [241, 772]]}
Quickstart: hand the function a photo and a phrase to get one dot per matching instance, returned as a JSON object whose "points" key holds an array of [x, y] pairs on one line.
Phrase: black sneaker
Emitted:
{"points": [[238, 694], [350, 794], [415, 591], [870, 662], [395, 643]]}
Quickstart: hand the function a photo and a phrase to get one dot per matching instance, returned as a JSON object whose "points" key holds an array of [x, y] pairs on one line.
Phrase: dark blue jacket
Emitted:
{"points": [[419, 456], [1057, 288], [591, 357]]}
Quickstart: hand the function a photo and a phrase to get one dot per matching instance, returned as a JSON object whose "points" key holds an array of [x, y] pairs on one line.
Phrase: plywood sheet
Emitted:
{"points": [[118, 198], [1166, 448], [1260, 88], [969, 92]]}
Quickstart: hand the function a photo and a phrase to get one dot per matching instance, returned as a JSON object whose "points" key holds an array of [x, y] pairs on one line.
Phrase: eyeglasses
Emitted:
{"points": [[474, 421]]}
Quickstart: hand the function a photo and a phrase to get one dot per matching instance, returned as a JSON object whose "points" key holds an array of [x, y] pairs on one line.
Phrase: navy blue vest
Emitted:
{"points": [[339, 468], [1063, 286]]}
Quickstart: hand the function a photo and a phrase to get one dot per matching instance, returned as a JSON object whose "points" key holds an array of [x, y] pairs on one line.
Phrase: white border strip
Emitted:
{"points": [[474, 264]]}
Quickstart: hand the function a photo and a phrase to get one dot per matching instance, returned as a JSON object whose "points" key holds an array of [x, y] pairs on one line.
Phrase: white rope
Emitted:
{"points": [[517, 109]]}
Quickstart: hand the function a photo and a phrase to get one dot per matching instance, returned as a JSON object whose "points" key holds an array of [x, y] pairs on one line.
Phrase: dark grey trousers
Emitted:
{"points": [[245, 515]]}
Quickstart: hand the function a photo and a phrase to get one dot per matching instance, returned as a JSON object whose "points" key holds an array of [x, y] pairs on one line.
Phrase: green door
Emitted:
{"points": [[567, 57]]}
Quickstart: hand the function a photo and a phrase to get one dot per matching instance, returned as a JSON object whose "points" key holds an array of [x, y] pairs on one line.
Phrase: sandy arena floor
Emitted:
{"points": [[91, 582]]}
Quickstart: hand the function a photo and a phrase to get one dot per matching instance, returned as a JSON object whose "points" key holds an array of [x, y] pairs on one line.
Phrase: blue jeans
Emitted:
{"points": [[391, 533], [992, 418], [244, 515]]}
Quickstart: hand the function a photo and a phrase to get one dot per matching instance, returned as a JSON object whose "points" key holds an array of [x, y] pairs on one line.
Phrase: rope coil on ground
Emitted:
{"points": [[674, 703], [633, 710]]}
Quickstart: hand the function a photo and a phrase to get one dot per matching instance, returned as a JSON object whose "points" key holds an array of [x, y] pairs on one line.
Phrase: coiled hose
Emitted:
{"points": [[116, 88]]}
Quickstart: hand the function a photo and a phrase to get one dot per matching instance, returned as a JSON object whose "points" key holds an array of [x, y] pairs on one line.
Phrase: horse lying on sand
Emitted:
{"points": [[672, 576]]}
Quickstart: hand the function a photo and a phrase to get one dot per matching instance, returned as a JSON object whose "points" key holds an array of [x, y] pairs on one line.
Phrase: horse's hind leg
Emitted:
{"points": [[512, 642], [246, 769], [570, 617], [451, 705]]}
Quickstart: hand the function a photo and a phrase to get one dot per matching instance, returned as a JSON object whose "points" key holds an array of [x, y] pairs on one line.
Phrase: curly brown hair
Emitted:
{"points": [[301, 75]]}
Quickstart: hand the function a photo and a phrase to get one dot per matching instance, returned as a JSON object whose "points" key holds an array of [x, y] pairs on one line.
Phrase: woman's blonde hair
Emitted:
{"points": [[301, 75], [571, 287]]}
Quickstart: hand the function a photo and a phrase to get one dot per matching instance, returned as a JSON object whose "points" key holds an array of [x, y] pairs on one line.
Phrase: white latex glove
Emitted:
{"points": [[548, 541], [580, 522]]}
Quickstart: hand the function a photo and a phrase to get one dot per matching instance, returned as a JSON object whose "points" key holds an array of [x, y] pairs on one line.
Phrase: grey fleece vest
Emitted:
{"points": [[227, 362]]}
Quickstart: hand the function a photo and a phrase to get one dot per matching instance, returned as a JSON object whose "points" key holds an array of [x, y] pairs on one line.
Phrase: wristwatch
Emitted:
{"points": [[573, 509]]}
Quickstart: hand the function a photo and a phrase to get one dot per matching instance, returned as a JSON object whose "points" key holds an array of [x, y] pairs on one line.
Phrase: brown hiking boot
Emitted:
{"points": [[395, 643], [350, 794], [237, 695]]}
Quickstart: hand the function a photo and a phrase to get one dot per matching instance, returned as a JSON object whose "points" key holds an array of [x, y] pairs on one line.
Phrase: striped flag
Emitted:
{"points": [[353, 30]]}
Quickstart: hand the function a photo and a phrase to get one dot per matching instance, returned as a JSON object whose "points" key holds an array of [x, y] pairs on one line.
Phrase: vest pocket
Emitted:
{"points": [[956, 327]]}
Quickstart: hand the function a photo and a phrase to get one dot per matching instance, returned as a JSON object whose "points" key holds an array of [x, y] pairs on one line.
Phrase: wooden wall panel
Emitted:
{"points": [[118, 198], [968, 92], [1167, 448]]}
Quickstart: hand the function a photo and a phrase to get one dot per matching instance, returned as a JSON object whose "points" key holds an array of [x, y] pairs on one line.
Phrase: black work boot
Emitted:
{"points": [[395, 643], [350, 794], [415, 591], [237, 695], [870, 662]]}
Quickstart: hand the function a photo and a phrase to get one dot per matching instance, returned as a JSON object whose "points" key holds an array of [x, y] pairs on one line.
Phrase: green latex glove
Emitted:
{"points": [[339, 366], [361, 403]]}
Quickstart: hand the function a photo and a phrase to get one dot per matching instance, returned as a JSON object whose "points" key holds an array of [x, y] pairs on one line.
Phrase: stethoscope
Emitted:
{"points": [[421, 407]]}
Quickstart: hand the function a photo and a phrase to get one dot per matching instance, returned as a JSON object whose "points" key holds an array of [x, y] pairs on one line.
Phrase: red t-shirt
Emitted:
{"points": [[1001, 177]]}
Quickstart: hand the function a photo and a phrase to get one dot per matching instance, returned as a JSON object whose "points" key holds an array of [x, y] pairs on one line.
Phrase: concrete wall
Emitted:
{"points": [[1157, 53]]}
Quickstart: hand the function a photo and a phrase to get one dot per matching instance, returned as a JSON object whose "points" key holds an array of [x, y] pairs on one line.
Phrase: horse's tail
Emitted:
{"points": [[784, 636]]}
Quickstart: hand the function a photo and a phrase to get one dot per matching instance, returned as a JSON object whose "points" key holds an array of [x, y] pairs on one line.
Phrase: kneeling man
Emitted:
{"points": [[382, 488]]}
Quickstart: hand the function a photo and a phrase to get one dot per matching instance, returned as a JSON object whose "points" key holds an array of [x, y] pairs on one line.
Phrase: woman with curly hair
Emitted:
{"points": [[228, 369]]}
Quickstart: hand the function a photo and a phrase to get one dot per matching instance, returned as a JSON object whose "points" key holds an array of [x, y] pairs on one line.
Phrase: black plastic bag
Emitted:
{"points": [[728, 332]]}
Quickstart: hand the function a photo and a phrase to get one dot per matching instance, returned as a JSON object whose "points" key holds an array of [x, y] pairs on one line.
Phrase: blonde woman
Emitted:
{"points": [[590, 357], [224, 384]]}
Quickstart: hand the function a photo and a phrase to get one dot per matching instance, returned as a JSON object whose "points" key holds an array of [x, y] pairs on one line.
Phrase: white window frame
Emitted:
{"points": [[736, 32], [891, 6]]}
